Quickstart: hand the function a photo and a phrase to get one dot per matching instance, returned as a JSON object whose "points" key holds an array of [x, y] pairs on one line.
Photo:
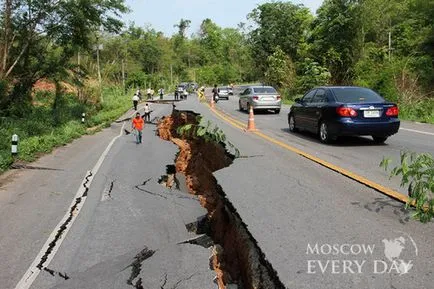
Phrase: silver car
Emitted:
{"points": [[260, 98], [223, 93]]}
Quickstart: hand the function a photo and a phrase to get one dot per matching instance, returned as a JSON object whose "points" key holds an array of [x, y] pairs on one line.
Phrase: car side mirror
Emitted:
{"points": [[297, 100]]}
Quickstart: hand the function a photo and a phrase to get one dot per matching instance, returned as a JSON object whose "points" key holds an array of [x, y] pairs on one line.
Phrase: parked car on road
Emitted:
{"points": [[344, 110], [223, 92], [260, 98]]}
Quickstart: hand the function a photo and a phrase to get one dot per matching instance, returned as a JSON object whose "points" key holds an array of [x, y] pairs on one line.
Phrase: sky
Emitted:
{"points": [[162, 15]]}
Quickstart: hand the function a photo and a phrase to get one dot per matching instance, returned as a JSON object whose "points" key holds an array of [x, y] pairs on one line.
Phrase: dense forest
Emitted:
{"points": [[83, 48]]}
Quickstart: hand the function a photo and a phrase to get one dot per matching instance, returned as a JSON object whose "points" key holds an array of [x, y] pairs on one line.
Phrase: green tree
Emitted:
{"points": [[280, 71], [280, 24], [30, 27], [336, 38]]}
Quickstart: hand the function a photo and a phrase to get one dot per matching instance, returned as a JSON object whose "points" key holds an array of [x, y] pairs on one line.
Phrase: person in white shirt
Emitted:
{"points": [[147, 115], [136, 99], [139, 94], [149, 93]]}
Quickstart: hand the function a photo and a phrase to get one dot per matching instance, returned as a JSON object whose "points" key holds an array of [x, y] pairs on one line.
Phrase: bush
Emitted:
{"points": [[417, 172], [39, 134], [310, 74]]}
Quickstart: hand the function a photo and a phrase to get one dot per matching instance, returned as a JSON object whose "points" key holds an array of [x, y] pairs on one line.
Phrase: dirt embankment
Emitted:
{"points": [[236, 257]]}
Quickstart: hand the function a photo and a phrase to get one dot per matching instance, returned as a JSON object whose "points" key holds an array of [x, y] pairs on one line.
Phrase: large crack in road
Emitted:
{"points": [[237, 258], [66, 223]]}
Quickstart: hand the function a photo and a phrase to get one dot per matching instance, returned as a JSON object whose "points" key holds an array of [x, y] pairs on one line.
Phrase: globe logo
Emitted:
{"points": [[400, 252]]}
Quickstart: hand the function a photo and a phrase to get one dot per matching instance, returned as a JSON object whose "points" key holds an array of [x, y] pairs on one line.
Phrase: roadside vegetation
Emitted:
{"points": [[43, 128], [417, 174]]}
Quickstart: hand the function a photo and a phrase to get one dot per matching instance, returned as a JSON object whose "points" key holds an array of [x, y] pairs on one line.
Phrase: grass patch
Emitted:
{"points": [[288, 101], [422, 111], [44, 129]]}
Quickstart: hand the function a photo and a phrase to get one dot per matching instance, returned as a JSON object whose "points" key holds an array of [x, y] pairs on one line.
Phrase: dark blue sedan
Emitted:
{"points": [[343, 111]]}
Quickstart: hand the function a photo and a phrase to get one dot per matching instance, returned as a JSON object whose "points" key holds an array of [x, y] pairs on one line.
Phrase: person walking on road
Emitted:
{"points": [[147, 114], [149, 93], [136, 99], [138, 124], [161, 92], [139, 94]]}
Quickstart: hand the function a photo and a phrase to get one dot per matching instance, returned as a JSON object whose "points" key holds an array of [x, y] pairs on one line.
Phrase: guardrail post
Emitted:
{"points": [[14, 147], [82, 117]]}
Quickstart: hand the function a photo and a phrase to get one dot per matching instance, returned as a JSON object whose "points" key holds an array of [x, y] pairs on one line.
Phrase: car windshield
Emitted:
{"points": [[356, 95], [264, 90], [223, 88]]}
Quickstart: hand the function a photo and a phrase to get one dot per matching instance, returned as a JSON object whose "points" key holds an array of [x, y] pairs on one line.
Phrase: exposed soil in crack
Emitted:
{"points": [[170, 180], [237, 259]]}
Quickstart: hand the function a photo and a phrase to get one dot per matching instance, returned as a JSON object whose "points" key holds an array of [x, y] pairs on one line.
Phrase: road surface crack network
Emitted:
{"points": [[136, 266], [64, 226]]}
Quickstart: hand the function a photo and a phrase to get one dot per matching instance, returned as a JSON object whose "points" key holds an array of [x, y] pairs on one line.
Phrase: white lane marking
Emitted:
{"points": [[418, 131], [33, 271]]}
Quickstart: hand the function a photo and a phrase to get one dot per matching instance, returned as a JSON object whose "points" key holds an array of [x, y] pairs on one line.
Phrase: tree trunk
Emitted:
{"points": [[7, 32]]}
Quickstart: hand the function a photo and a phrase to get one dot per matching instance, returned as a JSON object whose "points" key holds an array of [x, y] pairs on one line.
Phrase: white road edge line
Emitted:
{"points": [[418, 131], [30, 276]]}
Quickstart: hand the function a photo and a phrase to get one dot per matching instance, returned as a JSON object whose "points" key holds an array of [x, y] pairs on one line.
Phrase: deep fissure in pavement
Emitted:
{"points": [[169, 180], [237, 258]]}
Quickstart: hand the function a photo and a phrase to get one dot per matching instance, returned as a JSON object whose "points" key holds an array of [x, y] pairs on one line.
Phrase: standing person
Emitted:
{"points": [[176, 95], [136, 99], [161, 92], [139, 94], [149, 92], [147, 114], [184, 93], [215, 92], [138, 124]]}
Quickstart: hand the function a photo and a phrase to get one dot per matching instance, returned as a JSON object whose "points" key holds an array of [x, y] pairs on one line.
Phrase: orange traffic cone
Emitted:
{"points": [[251, 122]]}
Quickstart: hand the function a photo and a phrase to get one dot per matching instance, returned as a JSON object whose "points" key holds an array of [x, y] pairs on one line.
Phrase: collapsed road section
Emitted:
{"points": [[237, 259]]}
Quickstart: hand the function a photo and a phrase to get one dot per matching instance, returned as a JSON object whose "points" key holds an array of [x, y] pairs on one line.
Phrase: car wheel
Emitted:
{"points": [[277, 111], [292, 127], [379, 139], [324, 133]]}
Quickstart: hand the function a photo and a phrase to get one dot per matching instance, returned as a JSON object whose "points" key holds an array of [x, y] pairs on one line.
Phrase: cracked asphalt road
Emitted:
{"points": [[126, 212], [286, 201], [289, 203]]}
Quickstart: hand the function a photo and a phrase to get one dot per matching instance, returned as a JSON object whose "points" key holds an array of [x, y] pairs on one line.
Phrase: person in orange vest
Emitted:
{"points": [[138, 124]]}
